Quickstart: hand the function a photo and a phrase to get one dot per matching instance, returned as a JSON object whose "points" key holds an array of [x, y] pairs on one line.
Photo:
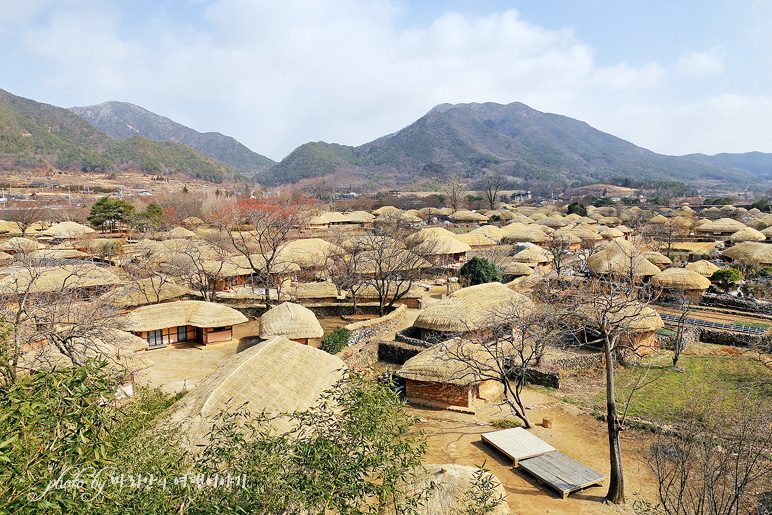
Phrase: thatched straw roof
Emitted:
{"points": [[277, 376], [150, 290], [430, 233], [181, 232], [474, 240], [532, 256], [17, 244], [318, 221], [443, 245], [449, 488], [335, 217], [447, 363], [720, 226], [472, 308], [750, 251], [192, 221], [117, 348], [610, 232], [368, 292], [702, 267], [465, 216], [386, 209], [658, 219], [310, 291], [67, 230], [7, 227], [58, 254], [748, 234], [657, 258], [185, 312], [308, 252], [695, 247], [491, 231], [680, 278], [617, 257], [632, 317], [529, 234], [514, 268], [360, 217], [291, 321], [55, 278], [551, 222]]}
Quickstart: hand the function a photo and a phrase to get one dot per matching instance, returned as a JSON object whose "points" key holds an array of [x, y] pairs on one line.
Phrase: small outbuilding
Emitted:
{"points": [[291, 321]]}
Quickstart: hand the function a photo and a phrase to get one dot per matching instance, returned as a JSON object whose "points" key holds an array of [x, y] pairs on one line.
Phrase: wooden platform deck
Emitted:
{"points": [[517, 443], [562, 473]]}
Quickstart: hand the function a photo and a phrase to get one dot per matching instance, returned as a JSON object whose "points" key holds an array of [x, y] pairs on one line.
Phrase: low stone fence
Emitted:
{"points": [[729, 339], [579, 362], [363, 332], [409, 336], [727, 301]]}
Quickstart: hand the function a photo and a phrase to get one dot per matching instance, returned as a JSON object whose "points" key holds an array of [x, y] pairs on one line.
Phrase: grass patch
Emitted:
{"points": [[661, 400], [751, 324], [505, 423], [665, 332]]}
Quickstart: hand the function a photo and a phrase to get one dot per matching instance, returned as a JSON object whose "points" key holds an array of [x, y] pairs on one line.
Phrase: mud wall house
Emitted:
{"points": [[361, 218], [291, 321], [187, 321], [636, 325], [675, 282], [475, 310], [442, 376], [82, 281], [750, 252]]}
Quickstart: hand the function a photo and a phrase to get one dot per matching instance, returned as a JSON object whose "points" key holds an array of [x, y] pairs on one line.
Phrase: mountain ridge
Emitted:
{"points": [[122, 120], [512, 140]]}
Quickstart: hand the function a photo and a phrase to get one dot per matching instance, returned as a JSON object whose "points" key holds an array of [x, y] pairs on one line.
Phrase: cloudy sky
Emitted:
{"points": [[674, 77]]}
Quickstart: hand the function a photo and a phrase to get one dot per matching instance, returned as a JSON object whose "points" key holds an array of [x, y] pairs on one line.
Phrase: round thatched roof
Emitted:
{"points": [[318, 221], [17, 244], [67, 230], [335, 217], [632, 317], [474, 240], [528, 234], [702, 267], [54, 278], [722, 225], [449, 363], [680, 278], [657, 258], [747, 234], [472, 308], [610, 232], [514, 268], [385, 209], [291, 321], [617, 256], [491, 231], [465, 216], [360, 217], [551, 222], [658, 219], [181, 232], [750, 251], [277, 376], [184, 312], [532, 255], [192, 221]]}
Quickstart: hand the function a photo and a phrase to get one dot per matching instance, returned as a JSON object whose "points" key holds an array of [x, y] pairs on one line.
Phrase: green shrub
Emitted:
{"points": [[335, 341], [478, 271]]}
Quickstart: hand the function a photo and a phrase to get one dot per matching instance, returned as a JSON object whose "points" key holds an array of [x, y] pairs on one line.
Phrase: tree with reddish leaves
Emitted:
{"points": [[258, 229]]}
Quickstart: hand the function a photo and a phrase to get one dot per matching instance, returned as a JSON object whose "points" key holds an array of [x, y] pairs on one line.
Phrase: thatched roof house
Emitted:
{"points": [[676, 280], [491, 231], [292, 321], [183, 321], [635, 323], [702, 267], [533, 256], [474, 308], [180, 233], [750, 252], [475, 240], [747, 234], [150, 290], [67, 231], [530, 234], [464, 216], [443, 375], [657, 258], [17, 245], [277, 376], [621, 257], [85, 279]]}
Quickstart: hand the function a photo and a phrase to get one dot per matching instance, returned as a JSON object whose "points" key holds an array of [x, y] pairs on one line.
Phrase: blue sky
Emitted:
{"points": [[674, 77]]}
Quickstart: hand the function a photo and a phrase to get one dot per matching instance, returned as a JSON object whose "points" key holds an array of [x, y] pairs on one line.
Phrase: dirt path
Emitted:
{"points": [[454, 438]]}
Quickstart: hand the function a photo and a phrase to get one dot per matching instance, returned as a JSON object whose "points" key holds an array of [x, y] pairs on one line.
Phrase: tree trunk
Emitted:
{"points": [[616, 489]]}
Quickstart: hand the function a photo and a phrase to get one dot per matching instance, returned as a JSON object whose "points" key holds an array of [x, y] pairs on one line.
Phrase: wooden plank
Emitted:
{"points": [[561, 472], [517, 443]]}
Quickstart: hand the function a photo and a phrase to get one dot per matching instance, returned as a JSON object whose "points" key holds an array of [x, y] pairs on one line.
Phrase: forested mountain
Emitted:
{"points": [[512, 140], [122, 120], [756, 163], [47, 136]]}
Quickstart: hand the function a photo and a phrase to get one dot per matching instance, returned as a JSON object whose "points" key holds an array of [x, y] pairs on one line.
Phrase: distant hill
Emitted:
{"points": [[122, 120], [47, 136], [756, 163], [512, 140]]}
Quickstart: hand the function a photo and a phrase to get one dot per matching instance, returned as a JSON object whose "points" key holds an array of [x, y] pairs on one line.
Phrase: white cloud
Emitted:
{"points": [[702, 64]]}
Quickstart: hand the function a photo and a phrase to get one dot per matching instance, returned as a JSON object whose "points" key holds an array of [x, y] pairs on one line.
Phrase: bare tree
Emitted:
{"points": [[614, 313], [491, 193], [257, 230], [519, 337], [25, 217], [455, 192], [711, 467], [681, 340]]}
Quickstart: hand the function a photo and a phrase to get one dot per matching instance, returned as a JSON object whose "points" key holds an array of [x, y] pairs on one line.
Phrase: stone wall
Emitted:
{"points": [[543, 376], [580, 362], [410, 335], [727, 338], [397, 353], [727, 301], [368, 330]]}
